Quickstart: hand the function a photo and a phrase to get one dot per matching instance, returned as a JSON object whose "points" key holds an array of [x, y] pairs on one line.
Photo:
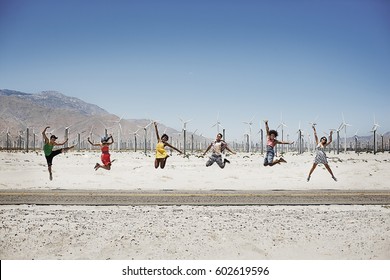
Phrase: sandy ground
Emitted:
{"points": [[135, 171], [202, 232], [194, 232]]}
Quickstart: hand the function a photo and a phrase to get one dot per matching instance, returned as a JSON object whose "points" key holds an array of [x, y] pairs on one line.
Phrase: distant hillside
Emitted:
{"points": [[19, 111], [54, 100]]}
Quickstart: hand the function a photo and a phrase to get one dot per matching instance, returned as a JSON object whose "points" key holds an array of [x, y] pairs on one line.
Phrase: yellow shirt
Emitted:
{"points": [[160, 151]]}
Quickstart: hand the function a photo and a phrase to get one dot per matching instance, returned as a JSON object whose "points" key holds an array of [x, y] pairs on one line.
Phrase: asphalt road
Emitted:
{"points": [[213, 197]]}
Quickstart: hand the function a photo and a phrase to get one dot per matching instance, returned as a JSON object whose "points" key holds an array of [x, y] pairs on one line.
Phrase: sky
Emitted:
{"points": [[235, 61]]}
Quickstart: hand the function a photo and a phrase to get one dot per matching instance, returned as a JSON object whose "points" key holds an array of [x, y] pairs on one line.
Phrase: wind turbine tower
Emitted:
{"points": [[374, 128], [184, 133], [356, 141], [249, 123], [344, 125], [145, 130], [282, 124]]}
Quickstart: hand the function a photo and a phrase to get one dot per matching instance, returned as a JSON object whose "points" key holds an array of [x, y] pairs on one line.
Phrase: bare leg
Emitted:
{"points": [[156, 163], [311, 171], [278, 161], [163, 162], [106, 167], [330, 171]]}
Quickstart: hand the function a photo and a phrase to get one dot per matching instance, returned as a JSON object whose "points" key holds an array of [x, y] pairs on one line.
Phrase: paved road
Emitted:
{"points": [[214, 197]]}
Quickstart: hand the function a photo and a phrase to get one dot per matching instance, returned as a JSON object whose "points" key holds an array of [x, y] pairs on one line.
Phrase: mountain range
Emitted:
{"points": [[20, 110]]}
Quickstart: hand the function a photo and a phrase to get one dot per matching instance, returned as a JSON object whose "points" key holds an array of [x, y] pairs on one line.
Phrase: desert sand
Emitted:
{"points": [[357, 232], [135, 171]]}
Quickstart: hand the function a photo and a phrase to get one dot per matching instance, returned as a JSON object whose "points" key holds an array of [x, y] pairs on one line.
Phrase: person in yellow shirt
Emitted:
{"points": [[161, 153]]}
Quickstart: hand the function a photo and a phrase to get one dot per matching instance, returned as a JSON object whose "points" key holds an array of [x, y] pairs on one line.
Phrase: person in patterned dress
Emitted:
{"points": [[320, 157]]}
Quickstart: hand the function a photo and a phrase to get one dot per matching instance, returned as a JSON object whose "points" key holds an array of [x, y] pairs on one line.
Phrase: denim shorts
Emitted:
{"points": [[269, 156]]}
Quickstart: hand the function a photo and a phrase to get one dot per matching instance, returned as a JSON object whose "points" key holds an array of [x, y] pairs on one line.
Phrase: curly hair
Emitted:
{"points": [[274, 132]]}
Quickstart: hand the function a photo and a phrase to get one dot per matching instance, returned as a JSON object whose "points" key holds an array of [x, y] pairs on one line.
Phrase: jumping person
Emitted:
{"points": [[161, 153], [105, 157], [320, 154], [218, 146], [271, 143], [48, 149]]}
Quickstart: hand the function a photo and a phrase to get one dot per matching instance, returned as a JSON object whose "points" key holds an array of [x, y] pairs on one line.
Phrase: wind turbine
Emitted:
{"points": [[246, 137], [374, 128], [66, 136], [105, 128], [218, 125], [119, 132], [135, 139], [314, 123], [249, 123], [192, 141], [299, 138], [7, 139], [261, 140], [184, 133], [145, 128], [344, 125], [282, 124], [356, 140]]}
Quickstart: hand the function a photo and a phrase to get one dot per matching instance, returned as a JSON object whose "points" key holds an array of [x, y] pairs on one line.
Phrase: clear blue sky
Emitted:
{"points": [[195, 59]]}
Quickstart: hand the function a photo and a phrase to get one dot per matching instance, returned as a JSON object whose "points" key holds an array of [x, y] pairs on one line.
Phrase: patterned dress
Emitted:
{"points": [[320, 155]]}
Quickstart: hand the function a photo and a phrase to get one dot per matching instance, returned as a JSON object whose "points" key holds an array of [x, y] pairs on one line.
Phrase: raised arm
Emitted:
{"points": [[315, 134], [93, 144], [112, 140], [158, 136], [60, 144], [330, 138], [266, 127], [44, 134]]}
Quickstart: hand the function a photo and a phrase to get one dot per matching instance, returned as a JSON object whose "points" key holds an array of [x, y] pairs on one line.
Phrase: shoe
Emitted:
{"points": [[308, 178], [97, 165], [282, 160], [226, 161], [51, 177], [334, 178]]}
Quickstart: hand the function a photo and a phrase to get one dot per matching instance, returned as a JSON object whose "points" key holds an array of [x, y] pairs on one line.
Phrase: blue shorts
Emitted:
{"points": [[269, 156]]}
